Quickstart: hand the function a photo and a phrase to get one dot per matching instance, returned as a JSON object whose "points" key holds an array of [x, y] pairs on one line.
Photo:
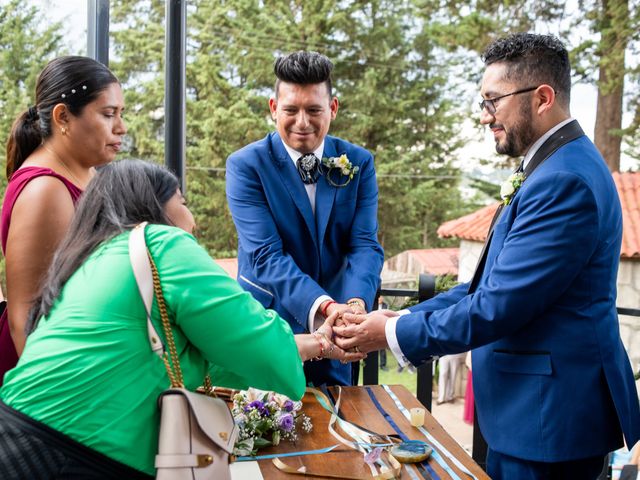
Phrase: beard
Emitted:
{"points": [[520, 136]]}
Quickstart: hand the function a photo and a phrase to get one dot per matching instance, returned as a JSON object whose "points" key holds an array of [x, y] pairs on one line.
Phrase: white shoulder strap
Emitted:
{"points": [[144, 279]]}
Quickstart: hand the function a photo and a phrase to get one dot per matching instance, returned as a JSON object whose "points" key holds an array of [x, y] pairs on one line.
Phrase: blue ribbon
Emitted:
{"points": [[434, 442], [250, 458], [430, 473]]}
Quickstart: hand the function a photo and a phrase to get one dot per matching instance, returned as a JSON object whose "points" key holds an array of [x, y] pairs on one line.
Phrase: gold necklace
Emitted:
{"points": [[57, 157]]}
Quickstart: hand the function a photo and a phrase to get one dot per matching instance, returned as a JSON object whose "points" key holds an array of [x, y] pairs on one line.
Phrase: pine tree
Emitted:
{"points": [[25, 48], [391, 85]]}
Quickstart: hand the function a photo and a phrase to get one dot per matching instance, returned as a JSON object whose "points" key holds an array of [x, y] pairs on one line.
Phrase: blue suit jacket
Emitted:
{"points": [[552, 380], [287, 257]]}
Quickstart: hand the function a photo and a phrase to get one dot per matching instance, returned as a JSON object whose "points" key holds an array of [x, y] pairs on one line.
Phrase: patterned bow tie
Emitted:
{"points": [[308, 168]]}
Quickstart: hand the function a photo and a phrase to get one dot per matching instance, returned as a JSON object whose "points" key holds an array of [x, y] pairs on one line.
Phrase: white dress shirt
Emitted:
{"points": [[315, 319]]}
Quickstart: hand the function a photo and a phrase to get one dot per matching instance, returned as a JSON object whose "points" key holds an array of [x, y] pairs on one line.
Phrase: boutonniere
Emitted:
{"points": [[510, 187], [337, 168]]}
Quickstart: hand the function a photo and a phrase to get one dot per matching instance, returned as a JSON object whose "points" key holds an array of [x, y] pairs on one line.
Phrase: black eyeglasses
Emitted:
{"points": [[490, 105]]}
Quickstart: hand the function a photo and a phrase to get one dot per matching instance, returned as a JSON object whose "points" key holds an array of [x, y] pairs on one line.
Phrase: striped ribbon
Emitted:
{"points": [[362, 443], [433, 442], [359, 435], [330, 399], [430, 473]]}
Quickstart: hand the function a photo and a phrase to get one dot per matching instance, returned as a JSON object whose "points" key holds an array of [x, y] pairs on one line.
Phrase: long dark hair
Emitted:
{"points": [[72, 80], [120, 196]]}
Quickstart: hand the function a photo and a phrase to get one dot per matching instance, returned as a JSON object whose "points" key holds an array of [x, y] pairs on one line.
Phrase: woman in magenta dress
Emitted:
{"points": [[467, 415], [75, 125]]}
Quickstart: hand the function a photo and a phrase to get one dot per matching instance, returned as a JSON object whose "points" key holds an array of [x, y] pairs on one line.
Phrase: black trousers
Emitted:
{"points": [[32, 450]]}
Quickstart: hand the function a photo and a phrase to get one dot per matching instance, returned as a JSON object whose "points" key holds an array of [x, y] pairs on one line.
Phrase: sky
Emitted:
{"points": [[583, 96]]}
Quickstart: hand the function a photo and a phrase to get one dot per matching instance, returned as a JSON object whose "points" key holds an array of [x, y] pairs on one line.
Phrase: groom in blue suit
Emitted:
{"points": [[305, 208], [553, 386]]}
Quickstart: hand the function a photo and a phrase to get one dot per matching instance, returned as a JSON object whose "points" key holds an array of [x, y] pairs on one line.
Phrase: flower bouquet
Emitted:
{"points": [[266, 418]]}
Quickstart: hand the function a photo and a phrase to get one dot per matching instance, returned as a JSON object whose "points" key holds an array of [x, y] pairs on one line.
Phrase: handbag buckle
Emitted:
{"points": [[204, 460]]}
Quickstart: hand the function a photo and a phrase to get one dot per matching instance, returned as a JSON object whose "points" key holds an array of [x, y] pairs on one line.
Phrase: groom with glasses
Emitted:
{"points": [[305, 207], [553, 386]]}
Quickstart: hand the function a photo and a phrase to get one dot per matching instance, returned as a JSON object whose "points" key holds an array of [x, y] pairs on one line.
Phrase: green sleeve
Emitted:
{"points": [[246, 344]]}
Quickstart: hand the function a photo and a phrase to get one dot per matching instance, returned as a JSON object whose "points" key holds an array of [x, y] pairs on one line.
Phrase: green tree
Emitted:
{"points": [[606, 58], [25, 48], [390, 81]]}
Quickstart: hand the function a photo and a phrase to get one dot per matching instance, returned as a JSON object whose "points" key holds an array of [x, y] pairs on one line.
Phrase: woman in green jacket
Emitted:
{"points": [[82, 399]]}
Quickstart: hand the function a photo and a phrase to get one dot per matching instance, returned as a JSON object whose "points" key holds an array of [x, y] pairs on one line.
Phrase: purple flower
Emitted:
{"points": [[287, 405], [257, 405], [285, 422]]}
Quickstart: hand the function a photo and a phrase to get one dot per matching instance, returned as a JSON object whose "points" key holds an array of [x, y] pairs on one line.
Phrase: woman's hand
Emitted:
{"points": [[330, 350]]}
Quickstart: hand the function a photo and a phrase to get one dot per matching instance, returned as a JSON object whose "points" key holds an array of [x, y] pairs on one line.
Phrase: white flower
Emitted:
{"points": [[507, 189]]}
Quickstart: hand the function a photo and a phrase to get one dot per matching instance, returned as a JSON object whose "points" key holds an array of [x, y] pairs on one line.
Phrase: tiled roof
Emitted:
{"points": [[628, 185], [470, 227], [229, 265], [476, 225], [437, 261]]}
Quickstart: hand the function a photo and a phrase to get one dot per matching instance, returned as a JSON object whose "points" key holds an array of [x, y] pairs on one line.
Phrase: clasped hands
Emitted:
{"points": [[351, 333]]}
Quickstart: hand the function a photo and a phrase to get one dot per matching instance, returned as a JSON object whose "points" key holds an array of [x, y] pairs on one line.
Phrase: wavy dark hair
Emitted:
{"points": [[303, 68], [534, 59], [120, 196], [72, 80]]}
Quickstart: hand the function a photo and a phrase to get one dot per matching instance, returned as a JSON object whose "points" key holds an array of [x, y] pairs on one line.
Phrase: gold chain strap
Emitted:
{"points": [[175, 373]]}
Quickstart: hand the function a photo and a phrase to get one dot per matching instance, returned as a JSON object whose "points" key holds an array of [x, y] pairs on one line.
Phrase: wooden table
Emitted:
{"points": [[358, 408]]}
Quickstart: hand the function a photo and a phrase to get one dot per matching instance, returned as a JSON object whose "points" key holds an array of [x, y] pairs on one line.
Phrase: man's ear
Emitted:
{"points": [[334, 107], [273, 106], [545, 97]]}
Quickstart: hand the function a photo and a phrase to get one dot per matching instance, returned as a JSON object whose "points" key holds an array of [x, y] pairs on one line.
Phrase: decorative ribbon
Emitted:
{"points": [[332, 402], [430, 473], [303, 471], [433, 442], [362, 443], [249, 458]]}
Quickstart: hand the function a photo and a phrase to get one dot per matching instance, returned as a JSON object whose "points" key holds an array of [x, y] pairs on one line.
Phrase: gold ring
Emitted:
{"points": [[356, 349]]}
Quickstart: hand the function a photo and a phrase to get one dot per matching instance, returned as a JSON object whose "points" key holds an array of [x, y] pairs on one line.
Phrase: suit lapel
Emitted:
{"points": [[564, 135], [291, 181], [325, 194]]}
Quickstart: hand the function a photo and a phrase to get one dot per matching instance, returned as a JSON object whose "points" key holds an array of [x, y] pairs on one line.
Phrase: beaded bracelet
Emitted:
{"points": [[321, 354]]}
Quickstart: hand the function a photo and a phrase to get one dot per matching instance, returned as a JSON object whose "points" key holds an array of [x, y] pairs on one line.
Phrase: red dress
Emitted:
{"points": [[467, 416], [20, 178]]}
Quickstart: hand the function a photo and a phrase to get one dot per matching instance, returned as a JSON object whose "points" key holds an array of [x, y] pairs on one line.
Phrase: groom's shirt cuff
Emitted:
{"points": [[315, 317], [392, 340]]}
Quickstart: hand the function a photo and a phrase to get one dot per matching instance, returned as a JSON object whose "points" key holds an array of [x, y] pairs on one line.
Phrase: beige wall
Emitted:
{"points": [[629, 296], [468, 259]]}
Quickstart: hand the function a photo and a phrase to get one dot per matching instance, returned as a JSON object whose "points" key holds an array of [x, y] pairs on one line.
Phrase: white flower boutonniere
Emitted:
{"points": [[339, 167], [510, 187]]}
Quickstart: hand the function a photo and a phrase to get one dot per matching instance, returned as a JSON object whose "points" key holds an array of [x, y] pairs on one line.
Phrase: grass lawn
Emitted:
{"points": [[392, 377]]}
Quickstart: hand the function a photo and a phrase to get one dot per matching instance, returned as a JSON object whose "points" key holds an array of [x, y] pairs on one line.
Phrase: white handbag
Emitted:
{"points": [[197, 432]]}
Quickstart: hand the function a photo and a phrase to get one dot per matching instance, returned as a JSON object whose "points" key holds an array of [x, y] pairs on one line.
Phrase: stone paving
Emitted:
{"points": [[449, 415]]}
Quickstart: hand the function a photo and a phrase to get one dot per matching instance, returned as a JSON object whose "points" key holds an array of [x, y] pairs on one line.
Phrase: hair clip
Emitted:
{"points": [[73, 90]]}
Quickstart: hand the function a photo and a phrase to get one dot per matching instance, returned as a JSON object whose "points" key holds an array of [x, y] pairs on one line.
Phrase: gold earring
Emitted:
{"points": [[63, 130]]}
